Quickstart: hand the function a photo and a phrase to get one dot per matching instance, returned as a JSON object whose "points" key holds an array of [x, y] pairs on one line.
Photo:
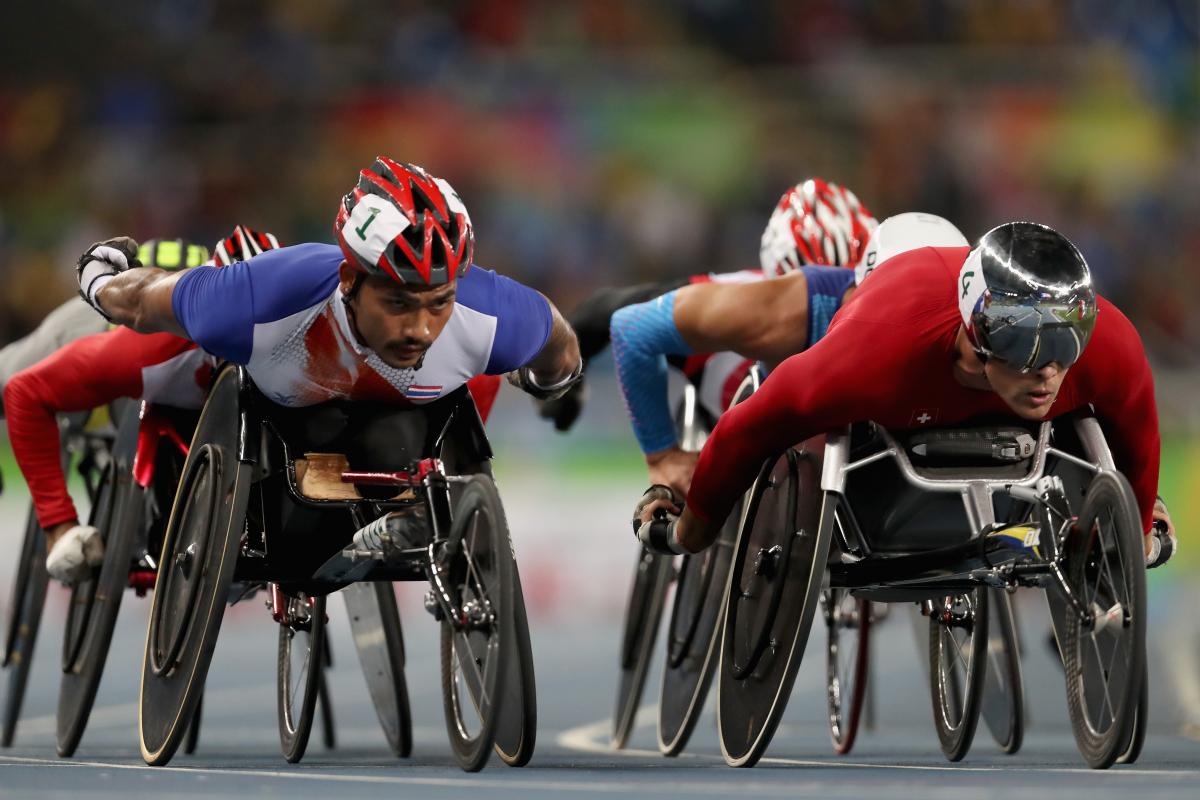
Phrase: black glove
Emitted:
{"points": [[523, 379], [100, 262], [563, 411]]}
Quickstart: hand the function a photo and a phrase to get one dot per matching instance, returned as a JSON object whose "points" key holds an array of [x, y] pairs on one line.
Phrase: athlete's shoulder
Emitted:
{"points": [[1115, 340], [910, 285], [522, 316]]}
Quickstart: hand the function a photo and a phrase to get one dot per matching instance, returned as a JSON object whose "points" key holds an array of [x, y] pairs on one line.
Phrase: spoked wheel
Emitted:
{"points": [[299, 672], [193, 732], [25, 617], [1105, 656], [958, 644], [1003, 705], [774, 583], [647, 596], [95, 602], [379, 640], [694, 637], [478, 575], [516, 732], [200, 550], [848, 656]]}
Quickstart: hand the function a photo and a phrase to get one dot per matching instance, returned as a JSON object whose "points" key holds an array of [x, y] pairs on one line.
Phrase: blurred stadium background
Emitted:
{"points": [[612, 141]]}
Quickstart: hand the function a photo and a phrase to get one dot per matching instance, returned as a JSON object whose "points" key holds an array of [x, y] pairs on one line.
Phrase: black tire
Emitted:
{"points": [[643, 614], [1003, 706], [25, 617], [848, 657], [1105, 662], [475, 659], [1137, 739], [324, 700], [694, 638], [299, 670], [95, 604], [516, 732], [379, 640], [200, 551], [958, 645], [193, 731], [774, 583]]}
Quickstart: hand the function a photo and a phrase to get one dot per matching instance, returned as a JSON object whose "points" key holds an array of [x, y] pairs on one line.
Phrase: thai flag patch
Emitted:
{"points": [[415, 392]]}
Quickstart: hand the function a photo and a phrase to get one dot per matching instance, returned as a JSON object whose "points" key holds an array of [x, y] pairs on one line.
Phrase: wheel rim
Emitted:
{"points": [[180, 580], [477, 657], [846, 620], [1105, 647], [691, 591], [297, 666]]}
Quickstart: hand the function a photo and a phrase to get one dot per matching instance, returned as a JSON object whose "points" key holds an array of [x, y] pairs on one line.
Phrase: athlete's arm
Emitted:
{"points": [[1123, 397], [559, 358], [86, 374], [591, 318], [762, 320], [141, 299]]}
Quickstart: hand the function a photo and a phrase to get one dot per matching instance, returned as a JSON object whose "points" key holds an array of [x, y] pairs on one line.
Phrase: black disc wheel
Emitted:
{"points": [[958, 645], [774, 583], [643, 614], [694, 637], [516, 731], [300, 666], [193, 731], [847, 659], [477, 573], [28, 600], [379, 640], [95, 603], [1104, 655], [1003, 701], [200, 550]]}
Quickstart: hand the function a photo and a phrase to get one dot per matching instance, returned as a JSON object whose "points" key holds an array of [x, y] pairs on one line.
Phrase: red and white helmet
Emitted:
{"points": [[242, 245], [402, 222], [815, 222]]}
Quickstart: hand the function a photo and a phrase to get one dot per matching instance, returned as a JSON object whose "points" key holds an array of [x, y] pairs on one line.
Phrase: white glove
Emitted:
{"points": [[75, 554], [101, 262], [659, 534]]}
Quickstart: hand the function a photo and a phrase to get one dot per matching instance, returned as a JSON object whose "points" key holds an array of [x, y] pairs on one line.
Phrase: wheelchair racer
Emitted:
{"points": [[937, 336], [93, 371]]}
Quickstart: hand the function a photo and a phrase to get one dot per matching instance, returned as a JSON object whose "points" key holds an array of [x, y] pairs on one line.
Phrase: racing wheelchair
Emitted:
{"points": [[267, 496], [89, 447], [913, 517]]}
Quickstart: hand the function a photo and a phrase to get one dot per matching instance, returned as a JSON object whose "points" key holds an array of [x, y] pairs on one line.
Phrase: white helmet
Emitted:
{"points": [[905, 232]]}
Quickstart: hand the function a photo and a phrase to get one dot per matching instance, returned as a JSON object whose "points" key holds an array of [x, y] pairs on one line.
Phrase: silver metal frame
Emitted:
{"points": [[977, 494]]}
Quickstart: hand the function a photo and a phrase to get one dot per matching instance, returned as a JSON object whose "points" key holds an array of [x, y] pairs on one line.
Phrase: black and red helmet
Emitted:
{"points": [[405, 224], [242, 245]]}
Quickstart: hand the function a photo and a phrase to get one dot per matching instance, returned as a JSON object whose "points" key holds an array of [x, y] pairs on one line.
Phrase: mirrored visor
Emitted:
{"points": [[1029, 338]]}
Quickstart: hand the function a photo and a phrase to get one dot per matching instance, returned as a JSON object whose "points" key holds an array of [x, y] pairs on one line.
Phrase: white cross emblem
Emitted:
{"points": [[924, 417]]}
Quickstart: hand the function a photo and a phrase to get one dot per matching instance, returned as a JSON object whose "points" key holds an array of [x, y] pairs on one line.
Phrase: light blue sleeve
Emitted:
{"points": [[643, 335]]}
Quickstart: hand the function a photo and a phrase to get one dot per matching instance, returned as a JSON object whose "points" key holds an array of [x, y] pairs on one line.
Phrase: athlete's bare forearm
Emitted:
{"points": [[765, 320], [559, 357], [141, 299]]}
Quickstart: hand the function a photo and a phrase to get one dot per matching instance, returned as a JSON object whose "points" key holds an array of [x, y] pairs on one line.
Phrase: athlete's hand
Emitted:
{"points": [[566, 409], [654, 520], [100, 262], [674, 468], [1160, 543]]}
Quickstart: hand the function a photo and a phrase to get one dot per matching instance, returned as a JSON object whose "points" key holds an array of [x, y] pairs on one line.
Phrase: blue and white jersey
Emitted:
{"points": [[282, 316]]}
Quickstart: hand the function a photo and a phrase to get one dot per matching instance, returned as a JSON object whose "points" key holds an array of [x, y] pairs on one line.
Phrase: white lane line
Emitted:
{"points": [[591, 738]]}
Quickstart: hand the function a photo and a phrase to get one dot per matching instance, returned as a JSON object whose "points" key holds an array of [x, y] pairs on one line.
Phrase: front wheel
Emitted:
{"points": [[848, 656], [25, 617], [299, 673], [958, 640], [477, 573], [1104, 655]]}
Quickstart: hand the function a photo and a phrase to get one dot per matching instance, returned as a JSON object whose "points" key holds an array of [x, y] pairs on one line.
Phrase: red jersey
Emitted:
{"points": [[888, 357]]}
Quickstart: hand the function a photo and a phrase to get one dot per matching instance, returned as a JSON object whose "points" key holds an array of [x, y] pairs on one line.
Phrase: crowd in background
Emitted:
{"points": [[607, 141]]}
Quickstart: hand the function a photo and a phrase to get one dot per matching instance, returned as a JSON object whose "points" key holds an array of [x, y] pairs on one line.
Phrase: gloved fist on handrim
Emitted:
{"points": [[654, 521], [1161, 543], [101, 262]]}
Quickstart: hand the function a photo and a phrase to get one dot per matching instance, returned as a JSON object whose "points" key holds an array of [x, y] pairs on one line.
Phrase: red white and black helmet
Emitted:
{"points": [[815, 222], [242, 245], [403, 223]]}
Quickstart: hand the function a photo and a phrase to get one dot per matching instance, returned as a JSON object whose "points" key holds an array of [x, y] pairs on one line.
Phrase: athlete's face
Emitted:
{"points": [[1029, 394], [399, 323]]}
